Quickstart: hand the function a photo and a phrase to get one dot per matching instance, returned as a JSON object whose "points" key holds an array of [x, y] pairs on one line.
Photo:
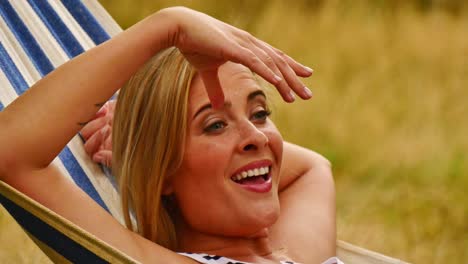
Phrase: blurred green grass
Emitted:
{"points": [[390, 110]]}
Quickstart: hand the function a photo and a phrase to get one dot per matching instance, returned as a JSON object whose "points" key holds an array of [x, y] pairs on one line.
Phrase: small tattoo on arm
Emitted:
{"points": [[83, 123], [100, 104]]}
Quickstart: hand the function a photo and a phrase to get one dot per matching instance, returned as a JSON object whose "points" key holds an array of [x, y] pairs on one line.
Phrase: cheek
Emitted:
{"points": [[202, 170], [275, 142], [207, 155], [198, 182]]}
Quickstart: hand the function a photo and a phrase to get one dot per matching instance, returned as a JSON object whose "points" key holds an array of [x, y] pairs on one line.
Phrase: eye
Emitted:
{"points": [[261, 115], [215, 127]]}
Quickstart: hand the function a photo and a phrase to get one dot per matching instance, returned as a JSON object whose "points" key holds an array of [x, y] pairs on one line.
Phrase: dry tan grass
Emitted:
{"points": [[390, 113], [16, 246]]}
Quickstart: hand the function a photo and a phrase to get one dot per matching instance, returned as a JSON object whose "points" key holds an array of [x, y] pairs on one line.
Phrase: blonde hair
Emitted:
{"points": [[148, 141]]}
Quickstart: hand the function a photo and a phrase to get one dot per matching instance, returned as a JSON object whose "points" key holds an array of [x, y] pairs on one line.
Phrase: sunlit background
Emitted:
{"points": [[390, 110]]}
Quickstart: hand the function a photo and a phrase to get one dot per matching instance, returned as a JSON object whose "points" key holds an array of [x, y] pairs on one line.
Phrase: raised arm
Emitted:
{"points": [[38, 125], [74, 90], [307, 225]]}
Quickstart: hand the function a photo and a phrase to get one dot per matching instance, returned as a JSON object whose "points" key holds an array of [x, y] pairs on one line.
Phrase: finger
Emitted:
{"points": [[282, 86], [248, 58], [92, 145], [213, 87], [95, 142], [107, 145], [300, 69], [93, 126], [288, 73], [102, 112], [104, 157]]}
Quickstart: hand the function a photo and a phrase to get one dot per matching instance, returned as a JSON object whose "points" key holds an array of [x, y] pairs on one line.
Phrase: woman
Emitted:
{"points": [[209, 144]]}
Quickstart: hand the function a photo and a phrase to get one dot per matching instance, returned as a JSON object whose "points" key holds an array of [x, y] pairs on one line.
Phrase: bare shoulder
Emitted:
{"points": [[292, 150], [298, 161]]}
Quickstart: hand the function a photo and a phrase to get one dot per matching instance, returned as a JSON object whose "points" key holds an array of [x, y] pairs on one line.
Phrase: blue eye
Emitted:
{"points": [[216, 126], [261, 115]]}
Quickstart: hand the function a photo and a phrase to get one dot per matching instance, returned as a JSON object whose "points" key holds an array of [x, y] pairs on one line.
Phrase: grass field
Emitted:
{"points": [[390, 111]]}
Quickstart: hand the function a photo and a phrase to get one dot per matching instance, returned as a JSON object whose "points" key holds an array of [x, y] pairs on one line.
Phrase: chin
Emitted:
{"points": [[259, 221], [268, 217]]}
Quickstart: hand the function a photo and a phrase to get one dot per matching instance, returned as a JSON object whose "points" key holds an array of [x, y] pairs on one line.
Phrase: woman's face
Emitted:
{"points": [[228, 181]]}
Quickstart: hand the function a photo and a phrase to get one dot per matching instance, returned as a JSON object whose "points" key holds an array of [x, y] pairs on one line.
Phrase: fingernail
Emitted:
{"points": [[278, 79], [308, 92], [292, 97], [309, 69], [98, 158]]}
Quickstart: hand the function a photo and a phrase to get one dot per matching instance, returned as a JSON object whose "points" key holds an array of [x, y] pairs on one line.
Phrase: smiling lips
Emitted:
{"points": [[255, 177]]}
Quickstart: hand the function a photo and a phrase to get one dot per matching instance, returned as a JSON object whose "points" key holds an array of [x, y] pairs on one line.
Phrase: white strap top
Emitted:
{"points": [[213, 259]]}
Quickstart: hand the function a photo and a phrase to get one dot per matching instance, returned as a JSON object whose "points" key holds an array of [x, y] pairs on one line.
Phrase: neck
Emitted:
{"points": [[249, 249]]}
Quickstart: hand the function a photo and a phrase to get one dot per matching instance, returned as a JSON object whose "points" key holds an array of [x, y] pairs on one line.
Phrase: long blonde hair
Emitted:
{"points": [[148, 141]]}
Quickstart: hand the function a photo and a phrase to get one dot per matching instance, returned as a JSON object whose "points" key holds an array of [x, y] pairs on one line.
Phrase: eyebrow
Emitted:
{"points": [[250, 97]]}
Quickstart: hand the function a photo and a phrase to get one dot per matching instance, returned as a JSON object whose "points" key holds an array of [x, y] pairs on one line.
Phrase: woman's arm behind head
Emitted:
{"points": [[307, 225]]}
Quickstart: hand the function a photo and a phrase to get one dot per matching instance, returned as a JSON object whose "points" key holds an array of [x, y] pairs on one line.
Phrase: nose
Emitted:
{"points": [[251, 138]]}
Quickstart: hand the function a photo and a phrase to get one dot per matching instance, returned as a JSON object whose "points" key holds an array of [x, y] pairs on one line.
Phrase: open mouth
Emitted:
{"points": [[253, 177]]}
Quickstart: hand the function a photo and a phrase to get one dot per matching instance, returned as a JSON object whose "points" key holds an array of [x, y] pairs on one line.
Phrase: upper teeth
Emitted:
{"points": [[250, 173]]}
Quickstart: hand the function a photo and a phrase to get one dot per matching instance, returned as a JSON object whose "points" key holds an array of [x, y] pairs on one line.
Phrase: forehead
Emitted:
{"points": [[237, 81]]}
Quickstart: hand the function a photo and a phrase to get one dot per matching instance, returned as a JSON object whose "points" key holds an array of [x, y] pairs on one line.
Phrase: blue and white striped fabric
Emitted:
{"points": [[37, 36]]}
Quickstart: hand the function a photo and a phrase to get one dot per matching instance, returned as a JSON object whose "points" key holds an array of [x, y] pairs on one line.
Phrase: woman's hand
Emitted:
{"points": [[98, 135], [207, 43]]}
